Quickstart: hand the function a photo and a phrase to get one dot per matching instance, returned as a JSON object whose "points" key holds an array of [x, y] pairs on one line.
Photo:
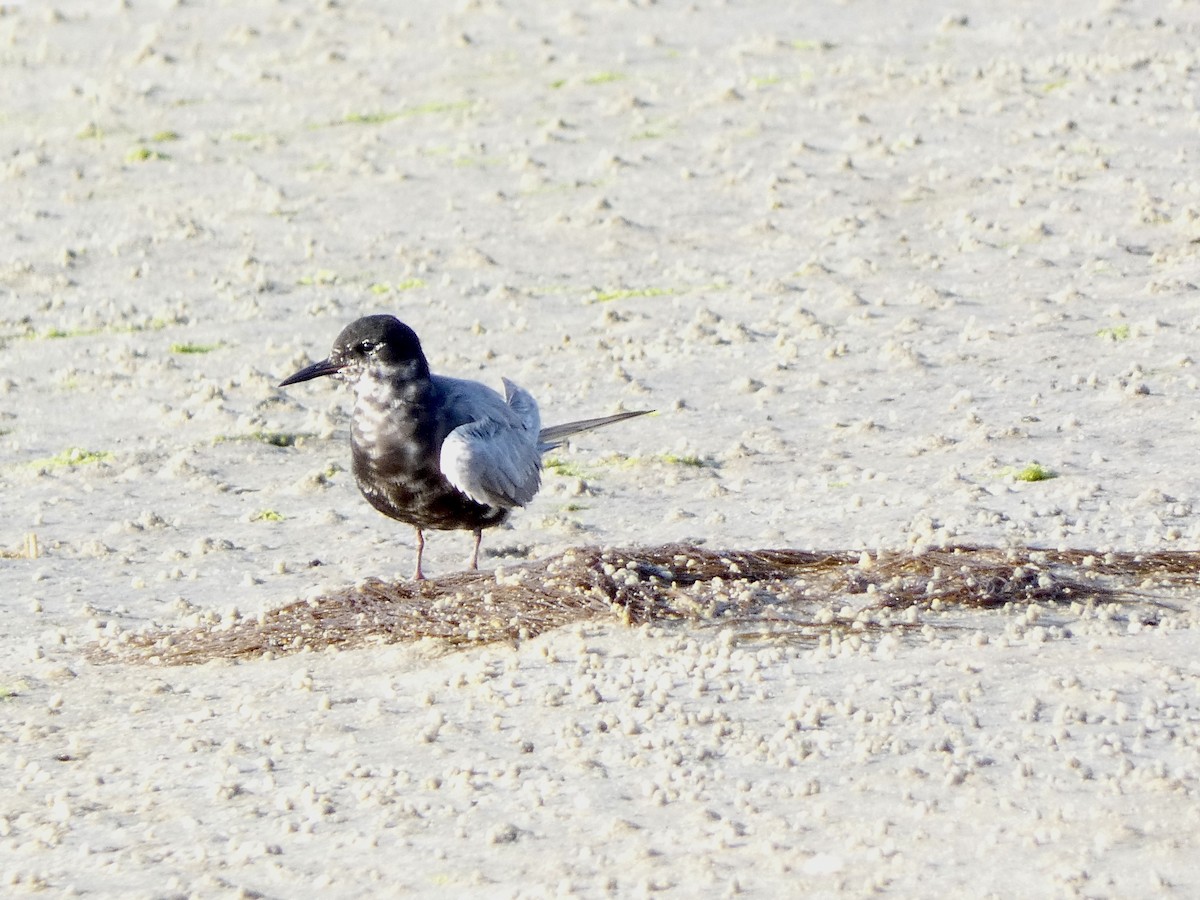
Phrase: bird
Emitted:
{"points": [[432, 451]]}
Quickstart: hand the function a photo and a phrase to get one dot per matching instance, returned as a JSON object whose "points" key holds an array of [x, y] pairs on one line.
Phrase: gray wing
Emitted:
{"points": [[493, 457], [553, 437]]}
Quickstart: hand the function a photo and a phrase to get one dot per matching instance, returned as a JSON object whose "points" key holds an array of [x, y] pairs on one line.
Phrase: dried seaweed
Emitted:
{"points": [[790, 593]]}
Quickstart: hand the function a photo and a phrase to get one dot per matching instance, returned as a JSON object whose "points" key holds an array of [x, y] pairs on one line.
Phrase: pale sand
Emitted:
{"points": [[866, 263]]}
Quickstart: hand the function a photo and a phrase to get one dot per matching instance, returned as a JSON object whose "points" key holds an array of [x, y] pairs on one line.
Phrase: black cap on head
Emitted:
{"points": [[381, 338], [386, 336]]}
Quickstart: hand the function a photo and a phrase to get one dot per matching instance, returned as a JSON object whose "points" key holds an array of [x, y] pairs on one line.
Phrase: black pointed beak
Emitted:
{"points": [[316, 370]]}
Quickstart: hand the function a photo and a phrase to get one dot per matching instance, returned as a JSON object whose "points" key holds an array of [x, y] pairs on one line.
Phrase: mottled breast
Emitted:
{"points": [[396, 438]]}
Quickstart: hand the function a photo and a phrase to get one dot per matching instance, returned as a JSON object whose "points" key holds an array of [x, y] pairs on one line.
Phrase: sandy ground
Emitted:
{"points": [[868, 264]]}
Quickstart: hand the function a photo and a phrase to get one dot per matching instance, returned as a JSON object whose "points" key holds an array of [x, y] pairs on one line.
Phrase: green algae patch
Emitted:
{"points": [[73, 457], [187, 348], [144, 154], [272, 438], [1032, 472]]}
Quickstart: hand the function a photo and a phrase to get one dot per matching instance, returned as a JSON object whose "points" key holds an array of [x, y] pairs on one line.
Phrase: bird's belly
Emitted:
{"points": [[421, 496]]}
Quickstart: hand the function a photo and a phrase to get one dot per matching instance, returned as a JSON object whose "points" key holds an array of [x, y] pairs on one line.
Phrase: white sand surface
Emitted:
{"points": [[868, 260]]}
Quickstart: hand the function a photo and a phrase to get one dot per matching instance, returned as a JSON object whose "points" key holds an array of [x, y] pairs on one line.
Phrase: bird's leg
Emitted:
{"points": [[419, 575], [475, 549]]}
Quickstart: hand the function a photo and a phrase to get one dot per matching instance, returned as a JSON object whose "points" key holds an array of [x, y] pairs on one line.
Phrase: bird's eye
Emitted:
{"points": [[366, 346]]}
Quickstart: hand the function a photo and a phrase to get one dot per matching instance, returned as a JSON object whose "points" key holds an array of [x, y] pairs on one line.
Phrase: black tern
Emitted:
{"points": [[437, 452]]}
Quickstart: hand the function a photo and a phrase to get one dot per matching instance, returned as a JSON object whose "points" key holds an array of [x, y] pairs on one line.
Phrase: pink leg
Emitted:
{"points": [[475, 550], [419, 575]]}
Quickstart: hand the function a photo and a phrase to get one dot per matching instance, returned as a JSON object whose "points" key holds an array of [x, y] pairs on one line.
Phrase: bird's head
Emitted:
{"points": [[382, 347]]}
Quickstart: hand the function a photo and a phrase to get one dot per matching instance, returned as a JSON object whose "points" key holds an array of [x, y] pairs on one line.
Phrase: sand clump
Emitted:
{"points": [[764, 595]]}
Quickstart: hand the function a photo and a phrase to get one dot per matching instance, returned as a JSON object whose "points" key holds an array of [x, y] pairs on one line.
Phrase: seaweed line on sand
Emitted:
{"points": [[758, 594]]}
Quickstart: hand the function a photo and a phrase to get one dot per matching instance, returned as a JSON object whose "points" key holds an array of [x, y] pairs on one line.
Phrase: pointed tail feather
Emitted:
{"points": [[552, 437]]}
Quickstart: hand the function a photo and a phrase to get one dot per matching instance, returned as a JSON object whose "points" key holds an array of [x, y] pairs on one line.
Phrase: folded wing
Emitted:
{"points": [[494, 459]]}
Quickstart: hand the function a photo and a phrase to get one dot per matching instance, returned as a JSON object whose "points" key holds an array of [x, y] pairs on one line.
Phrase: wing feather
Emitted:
{"points": [[494, 458], [553, 436]]}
